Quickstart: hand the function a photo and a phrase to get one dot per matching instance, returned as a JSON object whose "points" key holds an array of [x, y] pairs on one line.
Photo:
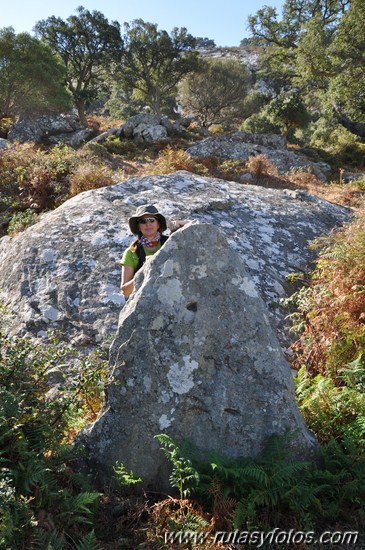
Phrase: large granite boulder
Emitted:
{"points": [[194, 357], [51, 129], [243, 145], [62, 273], [144, 127]]}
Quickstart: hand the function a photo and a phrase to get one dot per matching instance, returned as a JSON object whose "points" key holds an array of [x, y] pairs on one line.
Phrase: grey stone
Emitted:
{"points": [[149, 133], [5, 143], [127, 129], [68, 260], [40, 129], [73, 139], [194, 357], [242, 146]]}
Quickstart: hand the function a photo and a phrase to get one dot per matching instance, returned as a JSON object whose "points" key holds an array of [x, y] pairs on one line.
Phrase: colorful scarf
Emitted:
{"points": [[146, 242]]}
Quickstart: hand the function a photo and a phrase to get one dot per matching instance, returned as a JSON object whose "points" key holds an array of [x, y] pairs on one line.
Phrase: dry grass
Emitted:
{"points": [[333, 306], [39, 178], [350, 195]]}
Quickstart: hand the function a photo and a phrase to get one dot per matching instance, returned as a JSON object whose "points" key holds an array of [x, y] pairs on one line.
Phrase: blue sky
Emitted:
{"points": [[224, 21]]}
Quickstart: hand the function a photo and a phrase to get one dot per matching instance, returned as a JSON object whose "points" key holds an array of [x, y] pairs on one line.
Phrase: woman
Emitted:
{"points": [[148, 224]]}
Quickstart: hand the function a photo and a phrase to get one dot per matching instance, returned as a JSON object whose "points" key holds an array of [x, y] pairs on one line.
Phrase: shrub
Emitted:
{"points": [[34, 178], [260, 123], [271, 491], [171, 160], [5, 125], [123, 147], [332, 411], [331, 311], [21, 221], [90, 176], [260, 165], [44, 503]]}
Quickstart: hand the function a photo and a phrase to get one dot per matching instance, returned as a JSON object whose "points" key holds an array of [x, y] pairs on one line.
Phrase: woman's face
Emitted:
{"points": [[148, 226]]}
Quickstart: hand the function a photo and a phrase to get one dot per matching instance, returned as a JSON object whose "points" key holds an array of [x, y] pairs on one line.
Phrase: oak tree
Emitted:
{"points": [[154, 62], [88, 46], [31, 77], [216, 94]]}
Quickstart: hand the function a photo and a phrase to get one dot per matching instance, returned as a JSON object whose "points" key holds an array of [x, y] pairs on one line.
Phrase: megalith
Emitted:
{"points": [[62, 274], [194, 357]]}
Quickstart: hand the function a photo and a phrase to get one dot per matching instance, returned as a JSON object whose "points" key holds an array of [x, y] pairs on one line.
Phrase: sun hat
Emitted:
{"points": [[144, 210]]}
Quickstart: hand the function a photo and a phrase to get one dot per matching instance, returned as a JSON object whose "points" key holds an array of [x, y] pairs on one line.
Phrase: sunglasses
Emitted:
{"points": [[145, 220]]}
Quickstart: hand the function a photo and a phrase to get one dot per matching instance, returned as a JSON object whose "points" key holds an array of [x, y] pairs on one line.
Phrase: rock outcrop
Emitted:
{"points": [[194, 357], [145, 128], [51, 129], [4, 143], [62, 273], [244, 55], [243, 145]]}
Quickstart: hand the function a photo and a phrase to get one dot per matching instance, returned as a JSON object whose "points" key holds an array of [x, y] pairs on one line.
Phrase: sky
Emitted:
{"points": [[224, 21]]}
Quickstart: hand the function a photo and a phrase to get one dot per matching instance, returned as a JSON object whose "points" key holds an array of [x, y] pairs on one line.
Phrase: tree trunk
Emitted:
{"points": [[356, 128], [80, 105]]}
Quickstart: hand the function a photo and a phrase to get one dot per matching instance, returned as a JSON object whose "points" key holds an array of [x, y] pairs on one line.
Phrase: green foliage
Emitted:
{"points": [[331, 310], [333, 411], [123, 477], [346, 88], [43, 501], [31, 77], [87, 44], [260, 123], [324, 132], [183, 475], [266, 491], [216, 94], [317, 49], [288, 112], [284, 114], [272, 491], [122, 103], [154, 62], [21, 221]]}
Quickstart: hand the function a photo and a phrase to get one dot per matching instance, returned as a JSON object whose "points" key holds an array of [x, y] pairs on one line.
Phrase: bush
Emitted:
{"points": [[44, 503], [34, 178], [171, 160], [89, 176], [21, 221], [271, 491], [260, 165], [331, 311], [259, 123]]}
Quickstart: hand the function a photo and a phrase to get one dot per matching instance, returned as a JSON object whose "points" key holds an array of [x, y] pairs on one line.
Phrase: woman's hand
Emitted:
{"points": [[176, 224]]}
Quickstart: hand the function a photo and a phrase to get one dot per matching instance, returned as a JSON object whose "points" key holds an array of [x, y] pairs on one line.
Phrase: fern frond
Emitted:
{"points": [[88, 542], [54, 540]]}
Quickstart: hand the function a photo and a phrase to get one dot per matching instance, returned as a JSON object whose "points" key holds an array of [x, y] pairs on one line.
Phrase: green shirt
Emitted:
{"points": [[131, 259]]}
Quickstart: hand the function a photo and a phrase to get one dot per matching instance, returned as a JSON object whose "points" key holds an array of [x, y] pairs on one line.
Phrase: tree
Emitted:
{"points": [[216, 94], [31, 77], [154, 62], [288, 112], [347, 87], [87, 44], [204, 43], [318, 48]]}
